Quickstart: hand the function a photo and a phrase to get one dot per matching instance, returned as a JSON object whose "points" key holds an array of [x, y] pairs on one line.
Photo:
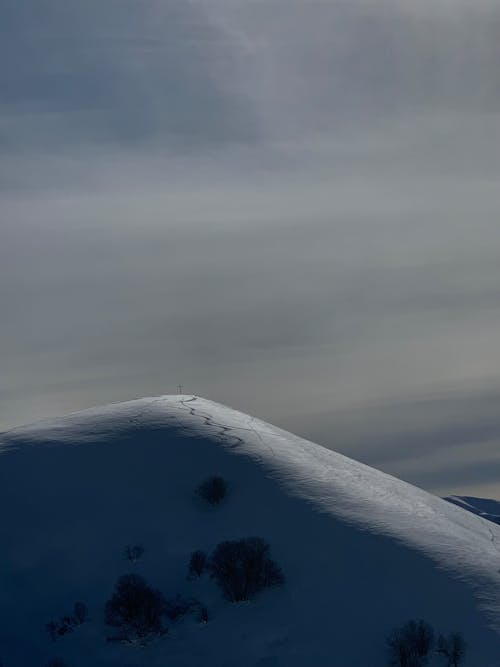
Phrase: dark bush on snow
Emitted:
{"points": [[80, 613], [242, 568], [133, 552], [67, 623], [65, 626], [51, 628], [198, 564], [213, 490], [410, 645], [452, 648], [135, 610], [57, 629]]}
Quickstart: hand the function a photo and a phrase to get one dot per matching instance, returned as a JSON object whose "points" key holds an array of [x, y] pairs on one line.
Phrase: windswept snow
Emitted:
{"points": [[362, 551]]}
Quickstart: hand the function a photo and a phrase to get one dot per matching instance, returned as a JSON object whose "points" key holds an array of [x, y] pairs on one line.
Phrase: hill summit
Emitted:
{"points": [[115, 491]]}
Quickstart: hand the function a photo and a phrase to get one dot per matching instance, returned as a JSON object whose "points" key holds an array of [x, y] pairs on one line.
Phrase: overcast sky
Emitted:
{"points": [[290, 206]]}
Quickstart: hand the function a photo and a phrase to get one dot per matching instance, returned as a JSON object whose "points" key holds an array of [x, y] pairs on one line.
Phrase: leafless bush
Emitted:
{"points": [[198, 564], [243, 567], [452, 648], [133, 552], [411, 644], [135, 610], [213, 490]]}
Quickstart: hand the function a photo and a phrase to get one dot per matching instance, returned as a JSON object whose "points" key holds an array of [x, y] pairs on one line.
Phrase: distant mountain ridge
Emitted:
{"points": [[487, 508]]}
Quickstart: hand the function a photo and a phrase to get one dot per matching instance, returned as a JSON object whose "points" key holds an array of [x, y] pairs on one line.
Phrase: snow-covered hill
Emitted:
{"points": [[362, 552], [485, 507]]}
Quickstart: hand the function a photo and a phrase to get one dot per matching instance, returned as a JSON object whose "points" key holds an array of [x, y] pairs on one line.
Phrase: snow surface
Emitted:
{"points": [[362, 552]]}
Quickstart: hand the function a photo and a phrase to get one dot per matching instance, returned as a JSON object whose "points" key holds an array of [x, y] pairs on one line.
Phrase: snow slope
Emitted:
{"points": [[362, 552], [485, 507]]}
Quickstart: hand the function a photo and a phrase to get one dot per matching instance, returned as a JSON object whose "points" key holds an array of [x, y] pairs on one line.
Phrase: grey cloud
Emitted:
{"points": [[186, 74], [288, 207], [126, 72], [324, 64], [476, 474], [440, 441]]}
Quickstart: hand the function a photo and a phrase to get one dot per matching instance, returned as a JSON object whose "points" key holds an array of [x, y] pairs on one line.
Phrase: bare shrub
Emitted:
{"points": [[452, 648], [213, 490], [133, 552], [410, 645], [243, 567], [67, 623], [80, 613], [135, 610], [51, 628], [198, 564], [203, 615]]}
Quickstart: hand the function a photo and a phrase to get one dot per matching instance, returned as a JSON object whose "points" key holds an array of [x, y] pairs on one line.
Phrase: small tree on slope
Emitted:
{"points": [[411, 644], [198, 564], [213, 490], [133, 552], [243, 567], [452, 648], [135, 610]]}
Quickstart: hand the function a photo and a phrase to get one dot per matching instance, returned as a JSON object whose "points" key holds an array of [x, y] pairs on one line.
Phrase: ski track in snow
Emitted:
{"points": [[226, 431], [208, 420]]}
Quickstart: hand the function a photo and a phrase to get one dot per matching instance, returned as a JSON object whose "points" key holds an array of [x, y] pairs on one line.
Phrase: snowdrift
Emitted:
{"points": [[362, 552]]}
